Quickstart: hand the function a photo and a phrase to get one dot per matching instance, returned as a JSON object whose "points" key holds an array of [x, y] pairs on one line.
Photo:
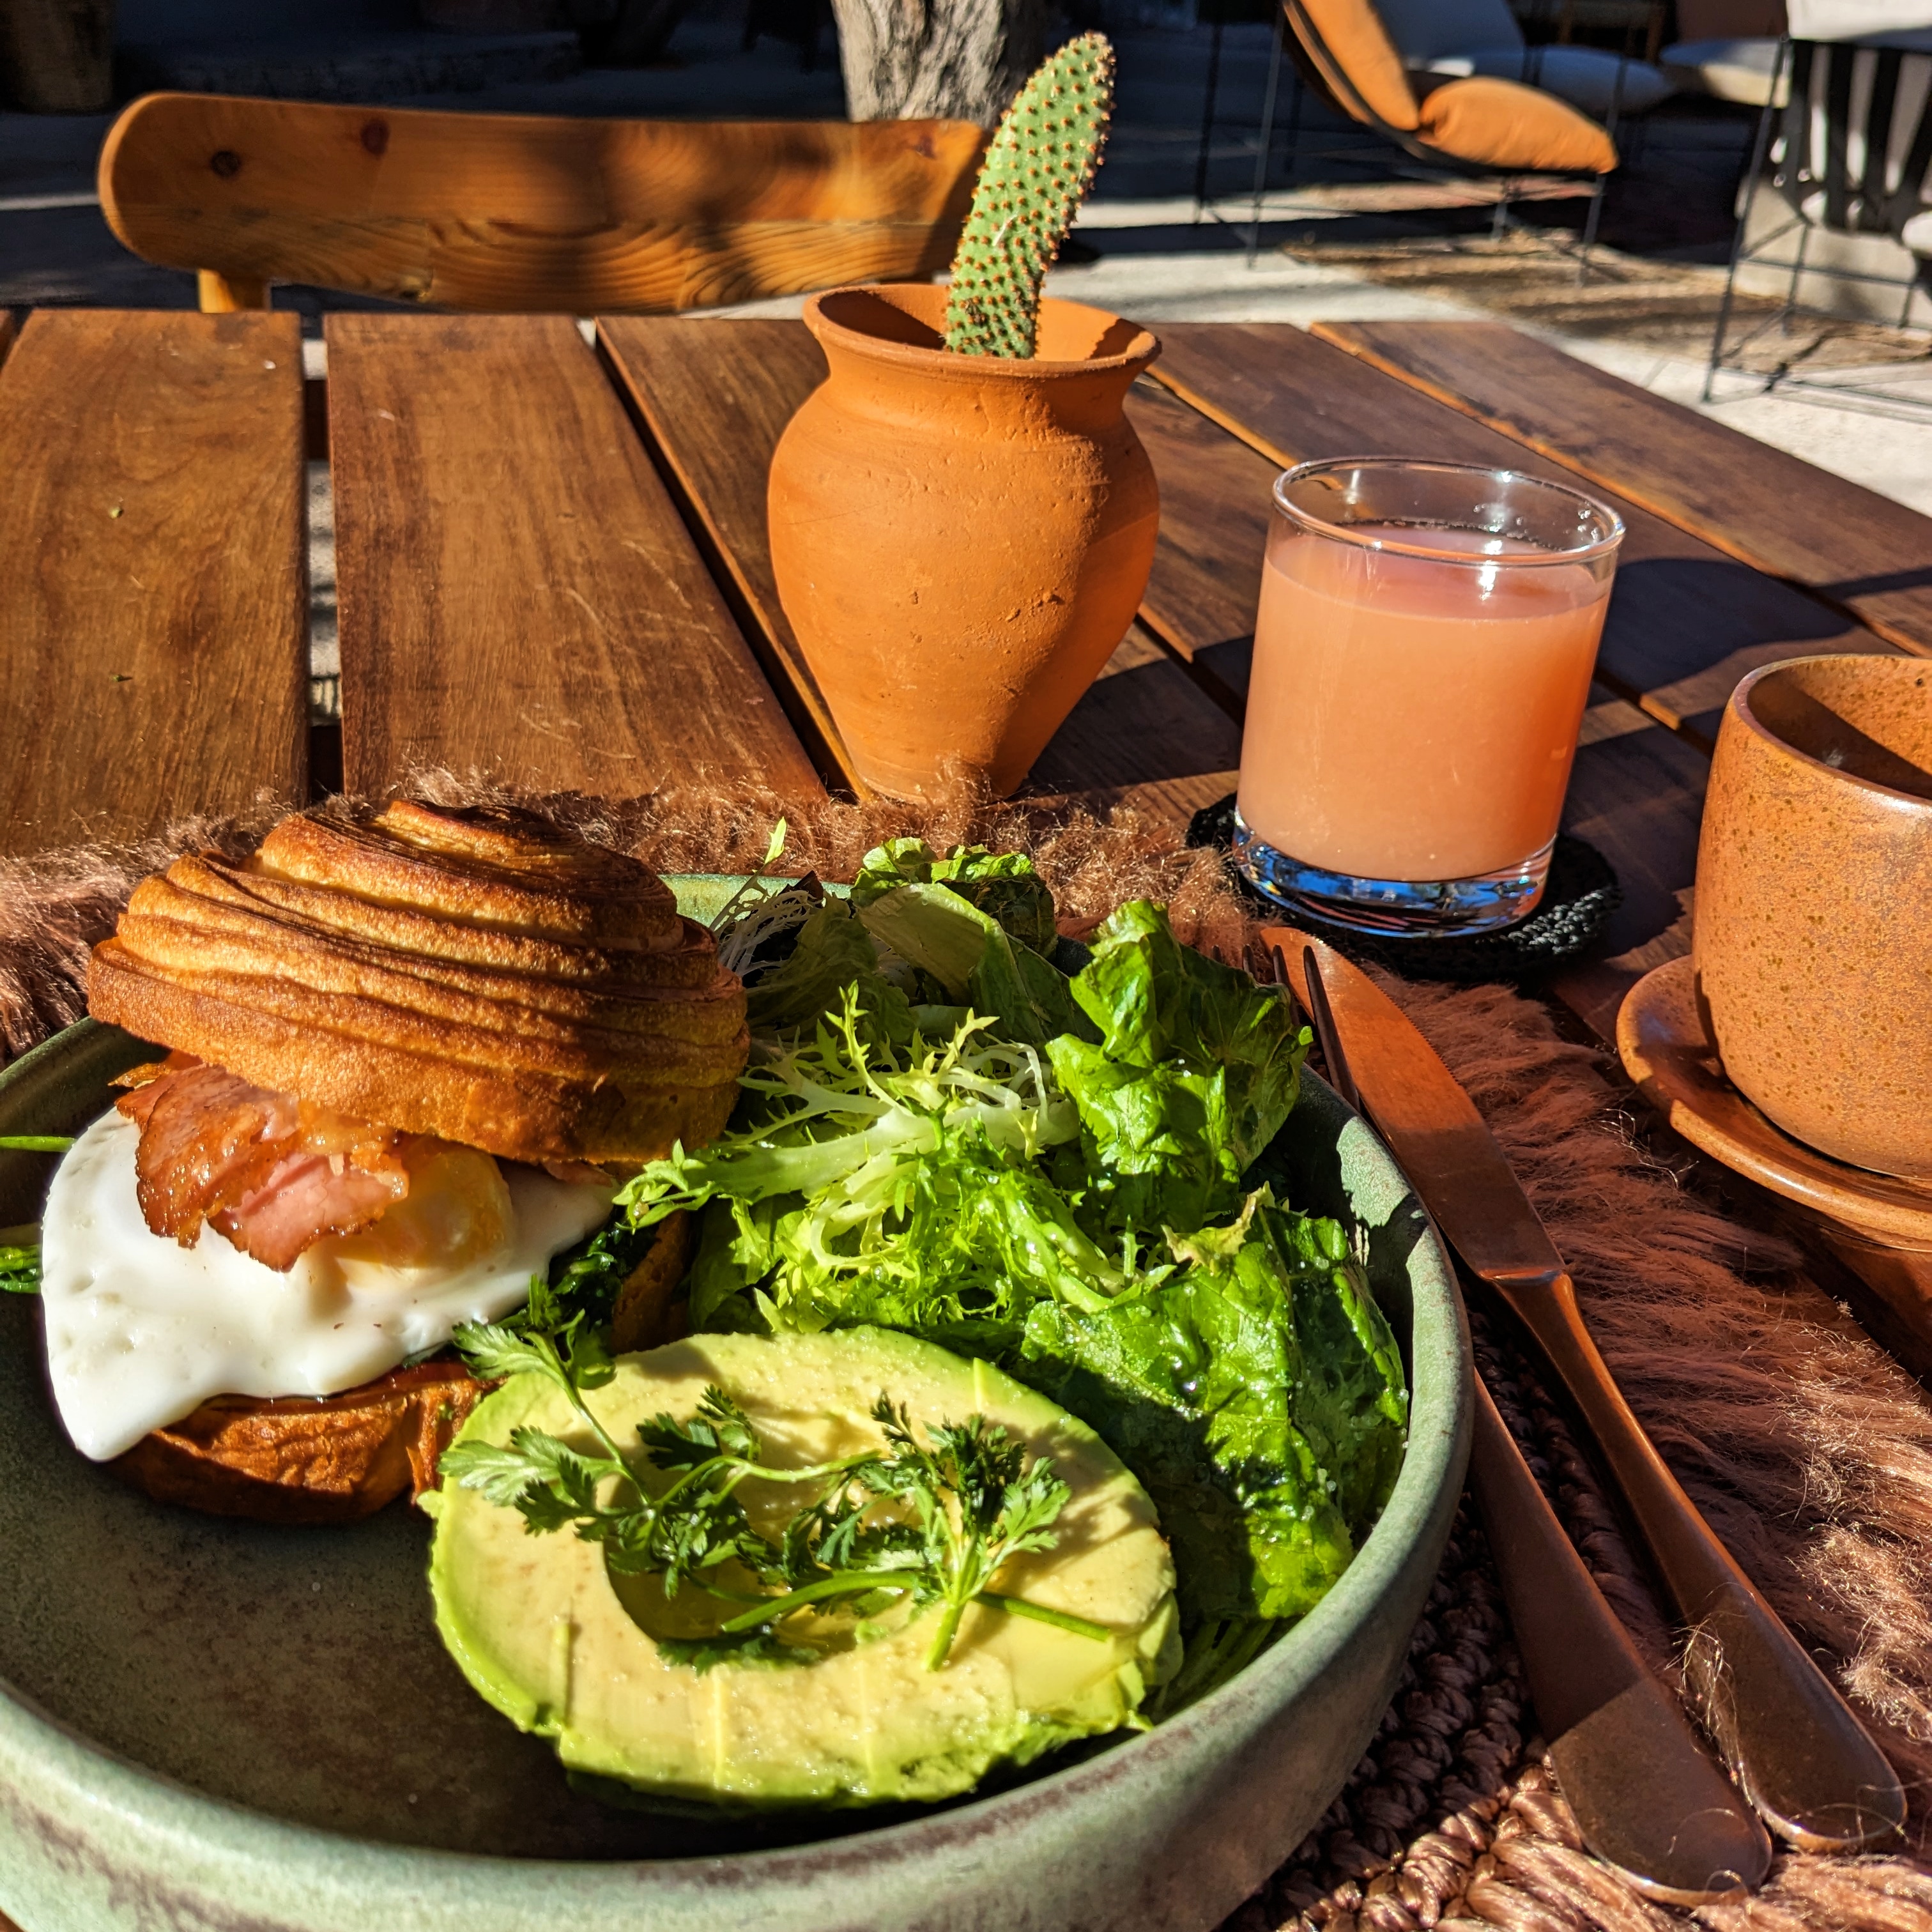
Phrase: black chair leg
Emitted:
{"points": [[1264, 144], [1208, 106], [1590, 225], [1747, 194]]}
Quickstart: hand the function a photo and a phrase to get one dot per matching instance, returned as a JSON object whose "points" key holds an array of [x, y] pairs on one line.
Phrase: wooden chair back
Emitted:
{"points": [[1328, 80], [523, 212]]}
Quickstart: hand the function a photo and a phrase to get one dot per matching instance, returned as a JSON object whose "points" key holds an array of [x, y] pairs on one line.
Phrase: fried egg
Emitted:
{"points": [[141, 1331]]}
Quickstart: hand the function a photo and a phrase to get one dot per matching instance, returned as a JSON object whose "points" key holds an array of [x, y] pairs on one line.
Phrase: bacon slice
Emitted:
{"points": [[271, 1174], [306, 1197]]}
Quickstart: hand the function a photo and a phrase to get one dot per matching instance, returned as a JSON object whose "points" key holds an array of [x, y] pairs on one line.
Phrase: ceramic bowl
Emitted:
{"points": [[1813, 939], [213, 1724]]}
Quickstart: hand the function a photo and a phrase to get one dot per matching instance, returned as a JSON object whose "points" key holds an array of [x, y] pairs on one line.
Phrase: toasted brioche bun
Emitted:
{"points": [[477, 975], [295, 1460], [645, 1316]]}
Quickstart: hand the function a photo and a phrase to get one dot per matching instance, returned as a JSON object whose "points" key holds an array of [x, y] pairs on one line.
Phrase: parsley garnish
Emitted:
{"points": [[928, 1524]]}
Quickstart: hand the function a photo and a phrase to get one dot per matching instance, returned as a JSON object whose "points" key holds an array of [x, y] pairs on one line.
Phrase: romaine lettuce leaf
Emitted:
{"points": [[1001, 884], [1196, 1069], [834, 953], [1258, 1396], [977, 962], [1349, 1396]]}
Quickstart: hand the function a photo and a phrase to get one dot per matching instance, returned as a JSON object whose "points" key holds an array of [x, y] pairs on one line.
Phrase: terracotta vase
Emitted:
{"points": [[1813, 925], [960, 541]]}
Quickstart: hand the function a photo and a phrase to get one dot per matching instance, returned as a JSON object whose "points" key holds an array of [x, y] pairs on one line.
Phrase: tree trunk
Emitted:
{"points": [[56, 56], [912, 60]]}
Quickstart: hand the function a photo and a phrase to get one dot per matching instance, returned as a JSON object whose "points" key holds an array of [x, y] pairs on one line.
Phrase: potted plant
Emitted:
{"points": [[962, 519]]}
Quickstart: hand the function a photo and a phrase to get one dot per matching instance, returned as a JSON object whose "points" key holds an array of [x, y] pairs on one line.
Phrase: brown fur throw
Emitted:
{"points": [[1808, 1448]]}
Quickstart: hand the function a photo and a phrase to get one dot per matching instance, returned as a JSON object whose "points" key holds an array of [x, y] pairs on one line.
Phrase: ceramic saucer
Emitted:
{"points": [[1667, 1051]]}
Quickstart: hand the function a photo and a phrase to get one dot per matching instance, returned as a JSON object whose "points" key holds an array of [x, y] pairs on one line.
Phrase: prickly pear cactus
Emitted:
{"points": [[1036, 172]]}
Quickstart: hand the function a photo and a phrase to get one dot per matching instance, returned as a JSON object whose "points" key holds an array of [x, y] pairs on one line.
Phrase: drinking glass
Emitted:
{"points": [[1422, 655]]}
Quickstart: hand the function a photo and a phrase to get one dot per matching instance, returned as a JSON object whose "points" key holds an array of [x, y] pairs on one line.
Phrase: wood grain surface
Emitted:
{"points": [[496, 212], [1686, 621], [1863, 552], [715, 397], [713, 403], [1214, 512], [1141, 736], [153, 620], [1636, 793], [516, 593]]}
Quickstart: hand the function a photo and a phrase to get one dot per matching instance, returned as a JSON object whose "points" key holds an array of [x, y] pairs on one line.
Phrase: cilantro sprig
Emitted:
{"points": [[20, 1259], [927, 1525]]}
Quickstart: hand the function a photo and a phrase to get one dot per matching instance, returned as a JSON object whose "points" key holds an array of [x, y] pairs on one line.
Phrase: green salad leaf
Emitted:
{"points": [[1196, 1068], [975, 961], [894, 1186], [833, 954], [20, 1261], [1003, 885], [1257, 1394], [940, 1132]]}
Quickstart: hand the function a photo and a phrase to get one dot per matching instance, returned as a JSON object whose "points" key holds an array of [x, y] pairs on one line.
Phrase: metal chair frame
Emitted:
{"points": [[1316, 72], [1852, 207]]}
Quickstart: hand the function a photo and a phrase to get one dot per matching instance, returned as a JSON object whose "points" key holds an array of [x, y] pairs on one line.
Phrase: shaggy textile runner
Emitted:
{"points": [[1809, 1449]]}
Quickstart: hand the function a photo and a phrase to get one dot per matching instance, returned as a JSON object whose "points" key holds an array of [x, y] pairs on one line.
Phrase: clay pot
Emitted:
{"points": [[960, 541], [1813, 945]]}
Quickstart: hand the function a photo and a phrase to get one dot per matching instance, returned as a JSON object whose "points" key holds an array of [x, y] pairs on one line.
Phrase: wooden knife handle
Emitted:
{"points": [[1803, 1759], [1645, 1797]]}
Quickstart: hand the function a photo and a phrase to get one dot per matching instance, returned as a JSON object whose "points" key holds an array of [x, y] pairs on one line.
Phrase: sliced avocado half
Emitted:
{"points": [[541, 1632]]}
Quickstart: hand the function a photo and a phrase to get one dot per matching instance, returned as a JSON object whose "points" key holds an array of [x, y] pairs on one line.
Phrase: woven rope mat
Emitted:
{"points": [[1810, 1451]]}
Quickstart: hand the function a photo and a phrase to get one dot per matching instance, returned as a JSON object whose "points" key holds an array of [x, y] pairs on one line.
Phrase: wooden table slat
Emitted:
{"points": [[1214, 513], [677, 378], [516, 592], [153, 613], [1864, 554], [1636, 793], [715, 397], [1686, 622]]}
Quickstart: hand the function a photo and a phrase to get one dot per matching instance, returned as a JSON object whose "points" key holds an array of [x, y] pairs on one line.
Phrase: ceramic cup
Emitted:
{"points": [[1812, 944]]}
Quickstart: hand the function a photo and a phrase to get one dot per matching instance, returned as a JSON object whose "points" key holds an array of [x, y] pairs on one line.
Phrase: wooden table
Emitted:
{"points": [[552, 567]]}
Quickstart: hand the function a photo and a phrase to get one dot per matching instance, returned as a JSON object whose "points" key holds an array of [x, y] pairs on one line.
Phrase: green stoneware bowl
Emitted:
{"points": [[207, 1724]]}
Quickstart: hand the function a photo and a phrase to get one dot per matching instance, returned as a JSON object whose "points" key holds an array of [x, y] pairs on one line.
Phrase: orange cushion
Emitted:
{"points": [[1502, 125], [1357, 43]]}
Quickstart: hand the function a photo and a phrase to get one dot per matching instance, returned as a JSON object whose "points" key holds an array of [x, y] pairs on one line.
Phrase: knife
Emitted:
{"points": [[1646, 1798], [1804, 1761]]}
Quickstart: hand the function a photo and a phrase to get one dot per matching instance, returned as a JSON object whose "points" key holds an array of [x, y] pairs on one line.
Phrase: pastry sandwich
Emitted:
{"points": [[409, 1053]]}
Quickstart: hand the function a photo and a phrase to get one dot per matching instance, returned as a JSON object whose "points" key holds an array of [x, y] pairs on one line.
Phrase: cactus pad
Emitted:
{"points": [[1038, 168]]}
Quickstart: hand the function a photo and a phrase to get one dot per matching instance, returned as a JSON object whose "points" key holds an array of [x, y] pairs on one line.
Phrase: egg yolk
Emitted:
{"points": [[457, 1210]]}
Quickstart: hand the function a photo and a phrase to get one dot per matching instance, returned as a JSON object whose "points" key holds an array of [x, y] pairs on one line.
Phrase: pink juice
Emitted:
{"points": [[1411, 719]]}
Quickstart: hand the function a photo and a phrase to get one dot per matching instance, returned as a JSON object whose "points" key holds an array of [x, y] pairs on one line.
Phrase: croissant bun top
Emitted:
{"points": [[478, 974]]}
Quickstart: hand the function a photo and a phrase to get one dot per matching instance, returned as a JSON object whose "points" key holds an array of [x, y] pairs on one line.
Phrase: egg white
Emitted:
{"points": [[141, 1331]]}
